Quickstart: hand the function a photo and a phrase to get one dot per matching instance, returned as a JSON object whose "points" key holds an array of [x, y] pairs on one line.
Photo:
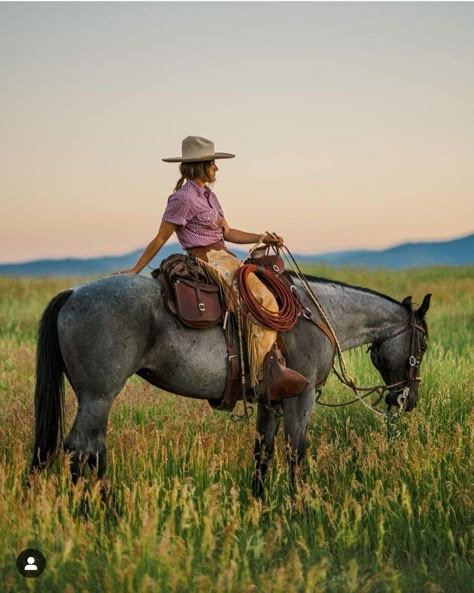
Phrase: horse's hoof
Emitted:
{"points": [[258, 490]]}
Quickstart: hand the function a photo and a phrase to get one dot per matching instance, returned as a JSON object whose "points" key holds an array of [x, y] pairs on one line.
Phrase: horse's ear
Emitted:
{"points": [[407, 303], [425, 305]]}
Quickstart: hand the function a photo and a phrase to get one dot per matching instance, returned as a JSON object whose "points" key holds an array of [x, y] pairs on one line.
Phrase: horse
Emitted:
{"points": [[101, 333]]}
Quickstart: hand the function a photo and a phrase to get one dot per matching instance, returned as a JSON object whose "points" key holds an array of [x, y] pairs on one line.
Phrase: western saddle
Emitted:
{"points": [[192, 296]]}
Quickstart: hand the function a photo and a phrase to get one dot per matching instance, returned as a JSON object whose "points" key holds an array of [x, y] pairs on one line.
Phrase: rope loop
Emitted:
{"points": [[289, 306]]}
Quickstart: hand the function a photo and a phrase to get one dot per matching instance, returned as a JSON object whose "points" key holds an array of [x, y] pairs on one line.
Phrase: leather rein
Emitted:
{"points": [[291, 308], [403, 387]]}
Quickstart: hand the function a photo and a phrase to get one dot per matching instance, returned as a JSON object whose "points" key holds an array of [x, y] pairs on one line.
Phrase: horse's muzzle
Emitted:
{"points": [[396, 398]]}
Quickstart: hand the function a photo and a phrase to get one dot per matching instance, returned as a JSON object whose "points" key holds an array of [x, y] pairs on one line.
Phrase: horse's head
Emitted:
{"points": [[398, 357]]}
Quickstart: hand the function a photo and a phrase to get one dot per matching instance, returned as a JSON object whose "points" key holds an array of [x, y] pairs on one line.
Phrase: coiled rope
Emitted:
{"points": [[289, 306]]}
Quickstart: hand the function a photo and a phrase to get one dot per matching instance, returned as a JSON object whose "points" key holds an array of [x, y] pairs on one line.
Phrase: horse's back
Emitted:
{"points": [[109, 322], [119, 288]]}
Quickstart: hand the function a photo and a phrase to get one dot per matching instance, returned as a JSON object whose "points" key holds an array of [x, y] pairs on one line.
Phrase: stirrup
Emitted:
{"points": [[281, 382]]}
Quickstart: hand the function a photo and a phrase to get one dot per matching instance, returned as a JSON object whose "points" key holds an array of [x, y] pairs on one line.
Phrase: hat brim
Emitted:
{"points": [[211, 157]]}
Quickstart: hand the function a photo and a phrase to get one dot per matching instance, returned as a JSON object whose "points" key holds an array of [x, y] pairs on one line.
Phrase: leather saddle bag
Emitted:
{"points": [[198, 305], [188, 292]]}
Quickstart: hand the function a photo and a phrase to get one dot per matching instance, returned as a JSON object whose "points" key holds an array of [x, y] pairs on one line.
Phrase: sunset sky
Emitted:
{"points": [[353, 123]]}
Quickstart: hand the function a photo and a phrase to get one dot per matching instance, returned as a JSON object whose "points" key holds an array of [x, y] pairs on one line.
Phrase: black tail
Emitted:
{"points": [[49, 391]]}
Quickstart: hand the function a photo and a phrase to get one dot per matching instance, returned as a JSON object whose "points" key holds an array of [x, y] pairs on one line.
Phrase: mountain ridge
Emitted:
{"points": [[455, 252]]}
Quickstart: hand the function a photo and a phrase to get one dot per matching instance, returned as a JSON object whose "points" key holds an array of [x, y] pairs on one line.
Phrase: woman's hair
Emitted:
{"points": [[198, 170]]}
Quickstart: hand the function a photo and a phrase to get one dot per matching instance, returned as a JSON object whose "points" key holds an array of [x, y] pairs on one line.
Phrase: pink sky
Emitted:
{"points": [[352, 123]]}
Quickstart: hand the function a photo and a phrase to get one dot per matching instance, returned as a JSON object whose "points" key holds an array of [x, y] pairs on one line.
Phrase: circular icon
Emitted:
{"points": [[30, 563]]}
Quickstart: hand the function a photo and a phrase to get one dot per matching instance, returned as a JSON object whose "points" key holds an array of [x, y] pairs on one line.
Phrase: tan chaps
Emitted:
{"points": [[259, 339]]}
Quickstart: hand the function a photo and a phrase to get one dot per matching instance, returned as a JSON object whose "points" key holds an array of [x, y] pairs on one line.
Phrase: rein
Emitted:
{"points": [[344, 376], [286, 318]]}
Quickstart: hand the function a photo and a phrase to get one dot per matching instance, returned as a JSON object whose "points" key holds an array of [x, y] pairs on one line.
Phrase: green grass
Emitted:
{"points": [[370, 515]]}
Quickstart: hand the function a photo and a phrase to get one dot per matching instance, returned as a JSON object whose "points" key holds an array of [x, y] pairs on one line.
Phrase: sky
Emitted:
{"points": [[353, 123]]}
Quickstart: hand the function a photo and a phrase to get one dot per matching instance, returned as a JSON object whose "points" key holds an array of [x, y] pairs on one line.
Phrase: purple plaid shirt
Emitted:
{"points": [[198, 214]]}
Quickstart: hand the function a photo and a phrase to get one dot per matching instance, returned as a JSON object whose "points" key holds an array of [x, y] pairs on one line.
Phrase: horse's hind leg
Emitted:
{"points": [[268, 422], [86, 441]]}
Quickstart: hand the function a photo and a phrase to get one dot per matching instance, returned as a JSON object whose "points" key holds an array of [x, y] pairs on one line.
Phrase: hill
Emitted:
{"points": [[457, 252]]}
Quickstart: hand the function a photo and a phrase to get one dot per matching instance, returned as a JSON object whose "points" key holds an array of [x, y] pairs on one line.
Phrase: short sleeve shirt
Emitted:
{"points": [[198, 214]]}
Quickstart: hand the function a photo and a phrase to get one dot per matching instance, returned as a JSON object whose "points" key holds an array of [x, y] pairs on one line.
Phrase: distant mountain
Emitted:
{"points": [[83, 267], [457, 252]]}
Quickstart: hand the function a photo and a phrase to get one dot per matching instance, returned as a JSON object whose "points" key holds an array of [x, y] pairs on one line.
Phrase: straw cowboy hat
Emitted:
{"points": [[195, 149]]}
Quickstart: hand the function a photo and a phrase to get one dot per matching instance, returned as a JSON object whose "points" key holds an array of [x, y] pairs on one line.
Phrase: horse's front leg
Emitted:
{"points": [[268, 422], [297, 412]]}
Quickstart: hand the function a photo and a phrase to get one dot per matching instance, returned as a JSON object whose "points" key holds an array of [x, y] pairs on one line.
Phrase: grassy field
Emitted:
{"points": [[373, 515]]}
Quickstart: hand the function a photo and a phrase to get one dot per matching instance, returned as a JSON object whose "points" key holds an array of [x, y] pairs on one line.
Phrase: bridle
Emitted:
{"points": [[414, 359], [402, 387]]}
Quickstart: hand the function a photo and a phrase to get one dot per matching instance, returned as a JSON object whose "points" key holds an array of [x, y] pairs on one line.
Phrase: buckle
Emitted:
{"points": [[307, 313], [202, 307], [401, 400]]}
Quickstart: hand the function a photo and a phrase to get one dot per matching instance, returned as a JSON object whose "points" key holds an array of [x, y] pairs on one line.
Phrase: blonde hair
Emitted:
{"points": [[197, 170]]}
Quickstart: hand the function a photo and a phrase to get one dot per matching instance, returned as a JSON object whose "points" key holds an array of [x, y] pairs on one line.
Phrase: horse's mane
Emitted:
{"points": [[362, 289], [344, 284]]}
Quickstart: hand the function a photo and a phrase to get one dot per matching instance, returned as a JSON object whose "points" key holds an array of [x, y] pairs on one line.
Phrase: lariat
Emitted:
{"points": [[289, 307]]}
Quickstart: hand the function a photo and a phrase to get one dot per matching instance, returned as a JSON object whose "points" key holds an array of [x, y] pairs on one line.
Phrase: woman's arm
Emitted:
{"points": [[241, 237], [164, 233]]}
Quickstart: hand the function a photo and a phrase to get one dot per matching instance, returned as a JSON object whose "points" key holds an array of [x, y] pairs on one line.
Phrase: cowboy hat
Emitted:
{"points": [[195, 149]]}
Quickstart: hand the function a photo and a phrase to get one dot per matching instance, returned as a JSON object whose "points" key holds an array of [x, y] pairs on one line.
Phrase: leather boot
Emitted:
{"points": [[281, 382]]}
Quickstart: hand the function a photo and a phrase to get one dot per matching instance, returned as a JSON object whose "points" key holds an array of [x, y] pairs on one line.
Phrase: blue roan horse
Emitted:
{"points": [[99, 334]]}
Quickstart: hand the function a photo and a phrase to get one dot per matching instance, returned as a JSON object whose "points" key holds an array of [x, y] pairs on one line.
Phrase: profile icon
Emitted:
{"points": [[30, 563]]}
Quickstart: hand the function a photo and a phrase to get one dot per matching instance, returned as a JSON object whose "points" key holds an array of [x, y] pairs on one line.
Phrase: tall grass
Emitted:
{"points": [[371, 514]]}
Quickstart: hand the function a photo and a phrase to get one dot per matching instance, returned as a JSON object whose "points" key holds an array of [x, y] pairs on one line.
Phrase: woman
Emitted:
{"points": [[194, 213]]}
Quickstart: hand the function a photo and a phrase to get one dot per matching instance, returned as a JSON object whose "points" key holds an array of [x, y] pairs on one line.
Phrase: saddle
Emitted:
{"points": [[198, 302], [267, 262], [192, 297]]}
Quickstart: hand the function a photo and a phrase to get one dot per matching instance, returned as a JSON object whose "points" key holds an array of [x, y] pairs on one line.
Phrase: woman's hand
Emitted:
{"points": [[273, 239], [131, 271]]}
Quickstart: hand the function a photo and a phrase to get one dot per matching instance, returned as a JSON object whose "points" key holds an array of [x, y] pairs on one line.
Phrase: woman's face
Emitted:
{"points": [[212, 170]]}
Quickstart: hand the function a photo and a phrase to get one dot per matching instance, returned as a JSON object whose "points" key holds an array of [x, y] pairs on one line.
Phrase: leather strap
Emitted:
{"points": [[307, 313], [168, 296], [232, 391], [323, 328]]}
